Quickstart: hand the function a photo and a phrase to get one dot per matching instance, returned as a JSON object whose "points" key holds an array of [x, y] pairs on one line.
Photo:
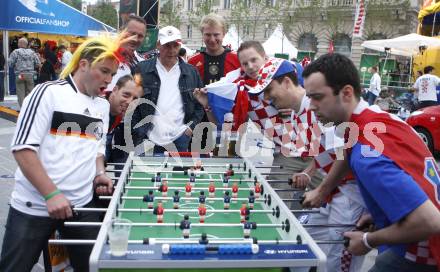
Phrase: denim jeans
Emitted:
{"points": [[181, 144], [388, 261], [26, 235], [371, 98], [2, 85]]}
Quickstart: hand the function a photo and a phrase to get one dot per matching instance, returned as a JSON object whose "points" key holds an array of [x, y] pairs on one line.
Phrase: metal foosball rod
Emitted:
{"points": [[212, 225], [165, 165], [181, 172], [183, 198], [183, 188], [191, 241], [186, 179], [184, 210], [146, 210]]}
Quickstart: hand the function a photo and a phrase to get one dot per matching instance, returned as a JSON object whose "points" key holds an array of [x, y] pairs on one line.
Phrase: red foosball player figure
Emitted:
{"points": [[211, 189], [176, 199], [257, 189], [235, 190], [230, 171], [163, 188], [244, 212], [149, 199], [158, 210], [188, 189], [185, 226], [202, 212], [226, 200]]}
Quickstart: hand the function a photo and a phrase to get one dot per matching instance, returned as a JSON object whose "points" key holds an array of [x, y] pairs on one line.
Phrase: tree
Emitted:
{"points": [[239, 15], [105, 12], [203, 7], [171, 14], [73, 3], [259, 11]]}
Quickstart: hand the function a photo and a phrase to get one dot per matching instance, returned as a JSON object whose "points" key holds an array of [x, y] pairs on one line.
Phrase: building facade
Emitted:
{"points": [[313, 26]]}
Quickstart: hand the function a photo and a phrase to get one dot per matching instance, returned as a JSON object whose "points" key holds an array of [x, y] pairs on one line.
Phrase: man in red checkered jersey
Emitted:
{"points": [[396, 174], [279, 130], [277, 80]]}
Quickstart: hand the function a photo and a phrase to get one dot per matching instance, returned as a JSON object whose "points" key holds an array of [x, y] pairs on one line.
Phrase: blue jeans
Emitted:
{"points": [[2, 85], [26, 235], [371, 98], [181, 144], [388, 261]]}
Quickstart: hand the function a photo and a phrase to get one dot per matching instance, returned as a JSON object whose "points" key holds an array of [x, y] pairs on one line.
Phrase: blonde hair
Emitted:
{"points": [[94, 50], [213, 19]]}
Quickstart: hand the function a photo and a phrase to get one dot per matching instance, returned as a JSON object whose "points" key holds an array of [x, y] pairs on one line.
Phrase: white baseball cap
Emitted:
{"points": [[169, 34]]}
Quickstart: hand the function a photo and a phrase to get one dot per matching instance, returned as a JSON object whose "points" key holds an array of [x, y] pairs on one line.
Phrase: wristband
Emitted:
{"points": [[307, 175], [54, 193], [102, 172], [364, 240]]}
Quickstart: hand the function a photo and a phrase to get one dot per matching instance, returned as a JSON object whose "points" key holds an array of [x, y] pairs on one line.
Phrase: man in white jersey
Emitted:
{"points": [[426, 88], [59, 145]]}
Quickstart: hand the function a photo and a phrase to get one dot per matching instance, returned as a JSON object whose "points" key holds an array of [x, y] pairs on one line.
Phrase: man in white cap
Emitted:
{"points": [[168, 83]]}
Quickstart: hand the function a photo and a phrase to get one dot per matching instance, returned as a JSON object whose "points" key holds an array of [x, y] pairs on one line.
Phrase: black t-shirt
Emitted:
{"points": [[213, 69]]}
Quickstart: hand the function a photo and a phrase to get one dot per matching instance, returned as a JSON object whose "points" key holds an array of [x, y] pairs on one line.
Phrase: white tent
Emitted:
{"points": [[278, 43], [407, 45], [232, 38]]}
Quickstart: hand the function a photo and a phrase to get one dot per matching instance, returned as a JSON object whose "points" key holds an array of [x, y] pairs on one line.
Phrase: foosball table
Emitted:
{"points": [[199, 214]]}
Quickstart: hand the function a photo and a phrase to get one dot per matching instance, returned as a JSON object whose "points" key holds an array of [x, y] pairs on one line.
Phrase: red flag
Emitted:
{"points": [[331, 47]]}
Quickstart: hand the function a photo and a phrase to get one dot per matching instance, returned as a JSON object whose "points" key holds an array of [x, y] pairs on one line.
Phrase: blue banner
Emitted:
{"points": [[48, 16]]}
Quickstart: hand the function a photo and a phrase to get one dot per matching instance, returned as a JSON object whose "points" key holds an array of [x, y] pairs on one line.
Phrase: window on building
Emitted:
{"points": [[308, 42], [189, 30], [270, 3], [227, 4], [246, 30], [190, 4], [215, 3], [342, 44], [267, 31]]}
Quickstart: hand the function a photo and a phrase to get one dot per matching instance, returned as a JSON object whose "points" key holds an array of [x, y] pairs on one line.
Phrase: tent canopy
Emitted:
{"points": [[278, 43], [406, 45], [48, 16], [232, 38]]}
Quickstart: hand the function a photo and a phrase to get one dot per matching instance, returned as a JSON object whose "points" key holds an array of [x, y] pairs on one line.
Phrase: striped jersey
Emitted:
{"points": [[396, 174], [66, 129]]}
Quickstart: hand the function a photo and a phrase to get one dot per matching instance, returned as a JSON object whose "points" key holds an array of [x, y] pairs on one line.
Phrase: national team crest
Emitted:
{"points": [[431, 174]]}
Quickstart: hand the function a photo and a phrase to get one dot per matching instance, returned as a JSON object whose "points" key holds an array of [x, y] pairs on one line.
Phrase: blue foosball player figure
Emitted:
{"points": [[251, 199], [247, 226], [192, 178], [226, 200], [185, 226], [176, 199], [202, 197], [225, 180], [149, 199], [158, 178]]}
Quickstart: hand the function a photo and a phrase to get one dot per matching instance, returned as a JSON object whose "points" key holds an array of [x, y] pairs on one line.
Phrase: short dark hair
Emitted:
{"points": [[123, 80], [428, 69], [182, 52], [133, 17], [251, 44], [338, 71]]}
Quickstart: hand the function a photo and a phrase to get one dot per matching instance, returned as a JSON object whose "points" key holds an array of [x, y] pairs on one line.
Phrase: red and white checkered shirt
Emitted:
{"points": [[420, 253]]}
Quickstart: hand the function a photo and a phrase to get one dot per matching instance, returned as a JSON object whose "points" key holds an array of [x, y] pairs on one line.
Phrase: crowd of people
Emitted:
{"points": [[358, 164]]}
